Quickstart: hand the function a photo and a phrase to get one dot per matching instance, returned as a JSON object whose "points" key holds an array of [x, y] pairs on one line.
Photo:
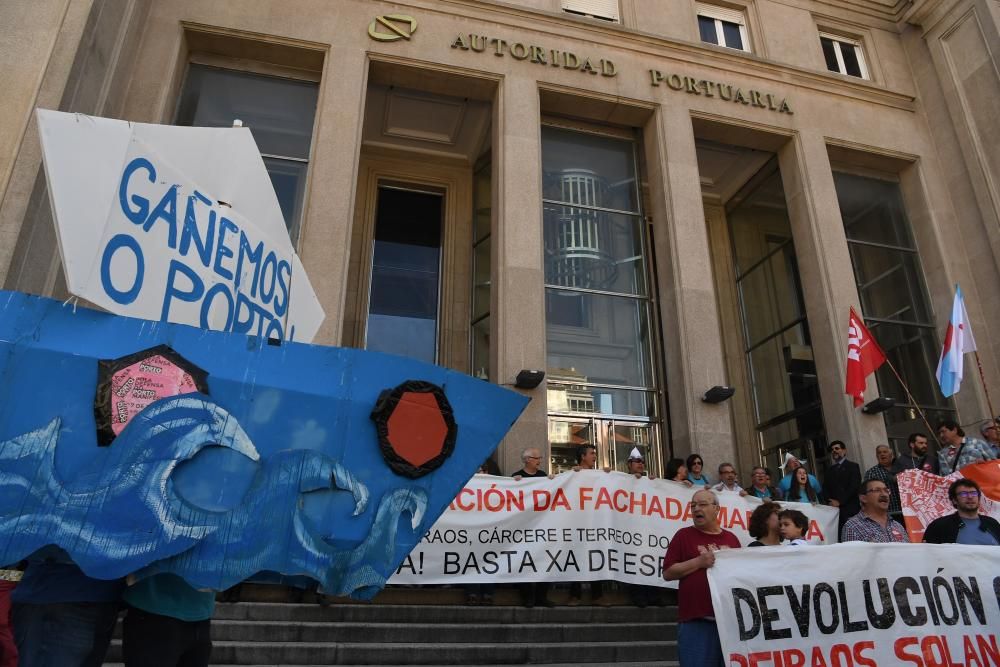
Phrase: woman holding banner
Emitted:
{"points": [[763, 525], [677, 472]]}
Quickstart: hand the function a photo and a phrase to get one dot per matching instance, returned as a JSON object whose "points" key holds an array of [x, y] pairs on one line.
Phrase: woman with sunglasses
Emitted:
{"points": [[696, 471]]}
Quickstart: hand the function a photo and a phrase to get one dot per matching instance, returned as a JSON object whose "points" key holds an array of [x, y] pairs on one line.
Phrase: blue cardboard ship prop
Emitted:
{"points": [[143, 447]]}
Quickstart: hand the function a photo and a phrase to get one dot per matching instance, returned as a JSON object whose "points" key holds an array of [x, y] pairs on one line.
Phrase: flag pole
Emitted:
{"points": [[913, 401], [982, 378]]}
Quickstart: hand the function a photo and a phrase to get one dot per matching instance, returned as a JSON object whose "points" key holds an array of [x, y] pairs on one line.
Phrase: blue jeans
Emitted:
{"points": [[698, 644], [66, 634]]}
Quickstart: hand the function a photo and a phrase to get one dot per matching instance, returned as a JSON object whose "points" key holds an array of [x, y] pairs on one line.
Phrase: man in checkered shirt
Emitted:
{"points": [[959, 450], [885, 470], [873, 523]]}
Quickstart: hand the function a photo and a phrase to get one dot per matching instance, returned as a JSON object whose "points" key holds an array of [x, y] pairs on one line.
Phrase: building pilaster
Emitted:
{"points": [[828, 289], [518, 299]]}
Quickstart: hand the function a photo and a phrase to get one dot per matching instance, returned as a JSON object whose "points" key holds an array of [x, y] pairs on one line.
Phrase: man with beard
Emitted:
{"points": [[840, 486], [690, 554], [966, 525], [917, 458], [873, 523]]}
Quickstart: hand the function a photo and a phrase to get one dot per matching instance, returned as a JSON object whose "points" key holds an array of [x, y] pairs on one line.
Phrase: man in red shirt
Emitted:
{"points": [[691, 552]]}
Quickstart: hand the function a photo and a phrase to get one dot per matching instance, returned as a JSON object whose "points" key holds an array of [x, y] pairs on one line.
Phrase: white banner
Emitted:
{"points": [[582, 526], [858, 604]]}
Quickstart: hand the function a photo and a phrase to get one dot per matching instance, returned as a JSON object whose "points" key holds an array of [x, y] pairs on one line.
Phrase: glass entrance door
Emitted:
{"points": [[614, 439]]}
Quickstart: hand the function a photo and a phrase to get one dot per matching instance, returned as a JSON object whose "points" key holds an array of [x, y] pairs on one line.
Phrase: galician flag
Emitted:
{"points": [[863, 357], [957, 341]]}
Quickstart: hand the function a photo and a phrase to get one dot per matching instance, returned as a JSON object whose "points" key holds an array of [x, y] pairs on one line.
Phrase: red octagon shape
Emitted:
{"points": [[416, 428]]}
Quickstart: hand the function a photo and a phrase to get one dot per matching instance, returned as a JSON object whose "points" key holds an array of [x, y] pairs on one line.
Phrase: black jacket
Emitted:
{"points": [[842, 483], [907, 462], [944, 530]]}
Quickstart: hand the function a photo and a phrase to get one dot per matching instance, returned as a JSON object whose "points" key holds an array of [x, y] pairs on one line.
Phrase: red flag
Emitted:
{"points": [[863, 357]]}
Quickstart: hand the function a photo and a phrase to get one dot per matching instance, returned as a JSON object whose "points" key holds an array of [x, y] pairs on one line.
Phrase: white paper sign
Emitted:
{"points": [[582, 526], [858, 604], [174, 224]]}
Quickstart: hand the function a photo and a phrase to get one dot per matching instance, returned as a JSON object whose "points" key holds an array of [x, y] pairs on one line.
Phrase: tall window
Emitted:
{"points": [[843, 55], [722, 26], [776, 337], [406, 273], [279, 113], [893, 300], [601, 378]]}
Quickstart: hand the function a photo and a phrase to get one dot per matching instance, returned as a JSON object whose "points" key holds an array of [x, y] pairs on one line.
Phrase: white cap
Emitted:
{"points": [[635, 455], [788, 457]]}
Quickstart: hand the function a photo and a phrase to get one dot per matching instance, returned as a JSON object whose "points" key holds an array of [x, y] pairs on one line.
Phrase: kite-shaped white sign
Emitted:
{"points": [[177, 224]]}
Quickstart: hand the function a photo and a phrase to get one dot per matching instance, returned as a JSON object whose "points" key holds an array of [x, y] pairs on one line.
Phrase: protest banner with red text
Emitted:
{"points": [[858, 604], [924, 495], [581, 526]]}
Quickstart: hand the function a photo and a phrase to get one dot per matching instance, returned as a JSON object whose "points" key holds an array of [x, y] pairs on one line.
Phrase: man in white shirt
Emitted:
{"points": [[727, 473]]}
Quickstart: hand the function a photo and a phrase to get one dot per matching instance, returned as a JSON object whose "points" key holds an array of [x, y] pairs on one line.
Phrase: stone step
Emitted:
{"points": [[395, 633], [374, 653], [416, 613]]}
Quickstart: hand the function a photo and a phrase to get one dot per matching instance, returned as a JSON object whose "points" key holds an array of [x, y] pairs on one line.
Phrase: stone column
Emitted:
{"points": [[518, 298], [325, 239], [688, 308], [828, 289]]}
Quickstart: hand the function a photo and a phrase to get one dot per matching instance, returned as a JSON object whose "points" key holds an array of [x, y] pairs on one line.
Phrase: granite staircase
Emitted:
{"points": [[287, 634]]}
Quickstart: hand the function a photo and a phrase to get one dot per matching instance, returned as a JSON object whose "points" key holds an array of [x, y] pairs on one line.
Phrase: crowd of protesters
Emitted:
{"points": [[62, 617], [869, 510]]}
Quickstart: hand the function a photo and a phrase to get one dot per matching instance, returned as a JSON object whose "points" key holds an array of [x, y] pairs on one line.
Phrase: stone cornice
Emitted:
{"points": [[665, 49], [927, 13]]}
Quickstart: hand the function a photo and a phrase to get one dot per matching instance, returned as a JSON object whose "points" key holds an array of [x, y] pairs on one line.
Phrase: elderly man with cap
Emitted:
{"points": [[792, 464], [640, 595], [991, 434]]}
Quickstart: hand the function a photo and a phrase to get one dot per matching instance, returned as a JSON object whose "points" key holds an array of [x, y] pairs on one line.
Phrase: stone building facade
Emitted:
{"points": [[643, 199]]}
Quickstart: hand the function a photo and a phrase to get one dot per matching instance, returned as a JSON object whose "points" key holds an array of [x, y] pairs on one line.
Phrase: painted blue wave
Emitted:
{"points": [[270, 531], [143, 525], [123, 513]]}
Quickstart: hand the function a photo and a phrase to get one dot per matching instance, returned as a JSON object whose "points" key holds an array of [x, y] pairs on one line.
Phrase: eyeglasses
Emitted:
{"points": [[967, 494], [695, 463], [702, 505]]}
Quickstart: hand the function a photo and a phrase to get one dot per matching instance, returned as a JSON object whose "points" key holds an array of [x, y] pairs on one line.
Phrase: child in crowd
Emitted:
{"points": [[793, 525]]}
